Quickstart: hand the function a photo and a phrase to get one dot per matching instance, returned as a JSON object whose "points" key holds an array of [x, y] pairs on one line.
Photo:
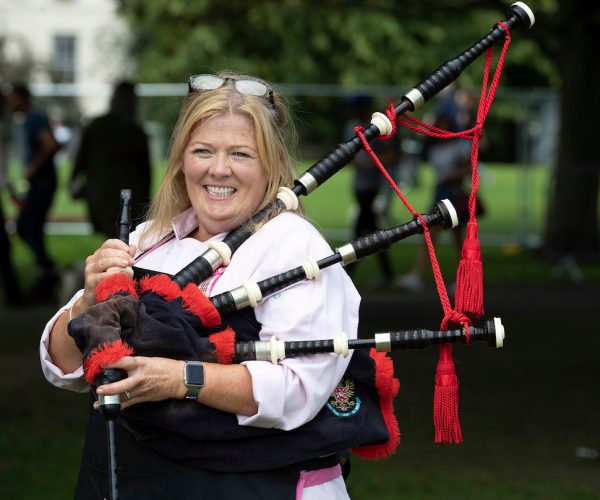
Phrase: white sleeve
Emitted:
{"points": [[71, 381], [291, 393]]}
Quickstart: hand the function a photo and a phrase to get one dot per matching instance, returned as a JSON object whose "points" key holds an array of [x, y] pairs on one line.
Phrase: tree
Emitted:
{"points": [[572, 217], [341, 42]]}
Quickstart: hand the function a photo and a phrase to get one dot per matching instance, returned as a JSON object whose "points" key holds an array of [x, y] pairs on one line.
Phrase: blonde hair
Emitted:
{"points": [[273, 129]]}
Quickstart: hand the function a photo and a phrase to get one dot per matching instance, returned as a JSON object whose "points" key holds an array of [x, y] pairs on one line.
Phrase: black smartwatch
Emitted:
{"points": [[193, 378]]}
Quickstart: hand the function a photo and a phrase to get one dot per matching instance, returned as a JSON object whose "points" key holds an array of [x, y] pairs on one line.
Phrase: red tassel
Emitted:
{"points": [[115, 283], [387, 387], [445, 399], [200, 305], [224, 343], [468, 298], [103, 355]]}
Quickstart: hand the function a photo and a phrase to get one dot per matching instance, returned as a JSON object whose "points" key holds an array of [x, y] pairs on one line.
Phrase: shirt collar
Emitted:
{"points": [[186, 222]]}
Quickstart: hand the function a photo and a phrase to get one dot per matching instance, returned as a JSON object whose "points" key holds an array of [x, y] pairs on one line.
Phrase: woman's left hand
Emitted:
{"points": [[148, 379]]}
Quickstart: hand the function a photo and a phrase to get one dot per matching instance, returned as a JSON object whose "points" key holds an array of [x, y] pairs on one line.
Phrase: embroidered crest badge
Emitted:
{"points": [[343, 401]]}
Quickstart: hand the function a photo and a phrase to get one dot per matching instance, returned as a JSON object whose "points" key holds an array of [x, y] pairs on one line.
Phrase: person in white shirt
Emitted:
{"points": [[228, 157]]}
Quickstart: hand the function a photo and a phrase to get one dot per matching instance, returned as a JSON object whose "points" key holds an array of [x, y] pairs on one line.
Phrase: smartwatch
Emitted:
{"points": [[193, 378]]}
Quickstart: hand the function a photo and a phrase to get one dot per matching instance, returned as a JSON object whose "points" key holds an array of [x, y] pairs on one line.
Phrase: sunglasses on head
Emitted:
{"points": [[247, 86]]}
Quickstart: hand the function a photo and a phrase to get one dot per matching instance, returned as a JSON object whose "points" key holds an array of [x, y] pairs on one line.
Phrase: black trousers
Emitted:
{"points": [[144, 474], [366, 222], [30, 224]]}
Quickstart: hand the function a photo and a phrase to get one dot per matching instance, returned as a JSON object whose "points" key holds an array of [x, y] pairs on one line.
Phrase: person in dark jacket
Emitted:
{"points": [[113, 154]]}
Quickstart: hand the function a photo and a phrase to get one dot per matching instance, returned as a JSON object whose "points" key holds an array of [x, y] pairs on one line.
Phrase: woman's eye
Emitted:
{"points": [[201, 151], [240, 154]]}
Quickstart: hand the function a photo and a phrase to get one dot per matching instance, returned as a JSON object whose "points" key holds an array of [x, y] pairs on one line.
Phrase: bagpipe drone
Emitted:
{"points": [[131, 310]]}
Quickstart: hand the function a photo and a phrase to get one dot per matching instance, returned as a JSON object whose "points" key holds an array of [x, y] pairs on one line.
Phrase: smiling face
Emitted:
{"points": [[224, 176]]}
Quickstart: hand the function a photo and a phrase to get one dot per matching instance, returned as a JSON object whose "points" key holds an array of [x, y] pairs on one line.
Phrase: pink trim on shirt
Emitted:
{"points": [[158, 244], [316, 478], [208, 285]]}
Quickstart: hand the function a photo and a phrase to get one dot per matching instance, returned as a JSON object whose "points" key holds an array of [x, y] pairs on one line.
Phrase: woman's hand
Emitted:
{"points": [[227, 387], [148, 379], [112, 255]]}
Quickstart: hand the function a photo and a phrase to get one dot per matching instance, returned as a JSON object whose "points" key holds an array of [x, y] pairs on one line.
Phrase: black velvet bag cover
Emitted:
{"points": [[358, 415]]}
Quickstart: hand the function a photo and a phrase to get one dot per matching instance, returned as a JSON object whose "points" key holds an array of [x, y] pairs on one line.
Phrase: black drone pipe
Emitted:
{"points": [[519, 15], [275, 350], [443, 214]]}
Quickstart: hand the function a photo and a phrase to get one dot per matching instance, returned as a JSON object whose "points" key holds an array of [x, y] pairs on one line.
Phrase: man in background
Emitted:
{"points": [[368, 181], [40, 147], [113, 154]]}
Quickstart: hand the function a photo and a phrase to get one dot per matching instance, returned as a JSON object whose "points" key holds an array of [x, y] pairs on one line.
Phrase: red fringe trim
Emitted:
{"points": [[224, 343], [103, 355], [160, 284], [445, 400], [200, 305], [193, 299], [115, 283], [468, 298], [387, 387]]}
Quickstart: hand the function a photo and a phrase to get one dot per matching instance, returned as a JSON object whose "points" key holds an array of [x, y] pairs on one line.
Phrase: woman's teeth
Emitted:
{"points": [[220, 192]]}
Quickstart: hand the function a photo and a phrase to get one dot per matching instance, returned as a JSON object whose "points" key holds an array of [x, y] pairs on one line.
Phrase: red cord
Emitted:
{"points": [[473, 134], [469, 289]]}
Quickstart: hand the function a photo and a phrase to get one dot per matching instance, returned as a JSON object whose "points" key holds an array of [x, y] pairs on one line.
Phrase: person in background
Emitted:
{"points": [[113, 154], [450, 161], [368, 181], [40, 172]]}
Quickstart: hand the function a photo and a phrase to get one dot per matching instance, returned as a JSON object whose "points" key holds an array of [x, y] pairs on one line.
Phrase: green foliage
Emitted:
{"points": [[349, 43], [346, 43]]}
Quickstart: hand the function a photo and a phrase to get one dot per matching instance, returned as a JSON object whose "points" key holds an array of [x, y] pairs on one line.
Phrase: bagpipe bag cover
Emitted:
{"points": [[358, 415]]}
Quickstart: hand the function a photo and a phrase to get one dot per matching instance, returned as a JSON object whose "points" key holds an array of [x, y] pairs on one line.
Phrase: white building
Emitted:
{"points": [[79, 43]]}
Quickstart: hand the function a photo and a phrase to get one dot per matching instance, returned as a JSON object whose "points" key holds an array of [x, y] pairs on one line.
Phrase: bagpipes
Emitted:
{"points": [[129, 313], [154, 316]]}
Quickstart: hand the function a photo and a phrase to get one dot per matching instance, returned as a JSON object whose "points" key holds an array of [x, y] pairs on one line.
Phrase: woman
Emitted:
{"points": [[228, 158]]}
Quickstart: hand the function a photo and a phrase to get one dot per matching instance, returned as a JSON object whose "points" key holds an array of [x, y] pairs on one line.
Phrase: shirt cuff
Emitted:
{"points": [[72, 381], [267, 381]]}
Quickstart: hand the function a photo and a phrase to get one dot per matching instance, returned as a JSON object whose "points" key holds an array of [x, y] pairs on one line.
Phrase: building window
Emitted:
{"points": [[63, 68]]}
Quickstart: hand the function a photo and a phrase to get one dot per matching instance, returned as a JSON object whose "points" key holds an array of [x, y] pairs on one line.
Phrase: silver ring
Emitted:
{"points": [[127, 395]]}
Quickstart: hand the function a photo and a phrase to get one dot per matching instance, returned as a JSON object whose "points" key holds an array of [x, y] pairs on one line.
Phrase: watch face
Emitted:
{"points": [[195, 374]]}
